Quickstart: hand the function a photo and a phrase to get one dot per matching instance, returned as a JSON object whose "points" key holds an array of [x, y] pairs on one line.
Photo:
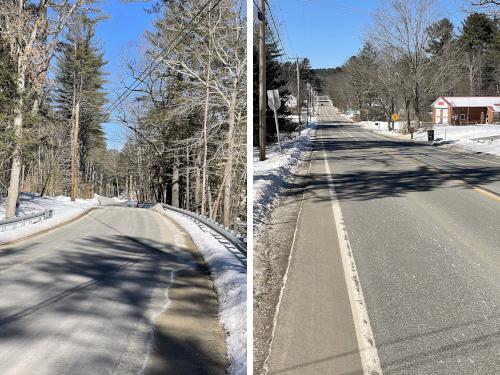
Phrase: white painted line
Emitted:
{"points": [[364, 334], [285, 279]]}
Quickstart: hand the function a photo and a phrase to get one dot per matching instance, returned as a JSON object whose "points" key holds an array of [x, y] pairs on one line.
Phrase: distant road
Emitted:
{"points": [[82, 299], [423, 227]]}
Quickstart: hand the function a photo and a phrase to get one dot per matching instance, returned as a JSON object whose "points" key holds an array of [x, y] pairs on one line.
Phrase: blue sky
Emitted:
{"points": [[120, 33], [328, 32]]}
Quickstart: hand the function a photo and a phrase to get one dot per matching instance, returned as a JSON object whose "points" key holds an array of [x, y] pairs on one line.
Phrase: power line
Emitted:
{"points": [[279, 41], [276, 28], [154, 64]]}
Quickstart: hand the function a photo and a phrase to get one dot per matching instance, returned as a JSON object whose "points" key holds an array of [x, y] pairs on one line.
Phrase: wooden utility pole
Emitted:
{"points": [[298, 91], [308, 93], [262, 80]]}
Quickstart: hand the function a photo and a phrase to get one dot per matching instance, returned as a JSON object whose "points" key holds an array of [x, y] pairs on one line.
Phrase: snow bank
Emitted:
{"points": [[64, 210], [230, 280], [472, 138], [269, 175]]}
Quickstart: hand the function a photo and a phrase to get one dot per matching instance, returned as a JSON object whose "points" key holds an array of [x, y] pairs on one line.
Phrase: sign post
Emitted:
{"points": [[394, 118], [274, 102]]}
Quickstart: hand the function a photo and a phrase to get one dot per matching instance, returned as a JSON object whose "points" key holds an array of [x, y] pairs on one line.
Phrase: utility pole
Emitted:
{"points": [[262, 80], [298, 89], [308, 86]]}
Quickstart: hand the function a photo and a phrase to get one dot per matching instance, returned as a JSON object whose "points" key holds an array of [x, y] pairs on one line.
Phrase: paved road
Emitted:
{"points": [[83, 299], [423, 227]]}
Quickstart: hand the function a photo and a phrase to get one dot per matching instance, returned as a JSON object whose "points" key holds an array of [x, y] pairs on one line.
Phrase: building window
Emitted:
{"points": [[462, 116]]}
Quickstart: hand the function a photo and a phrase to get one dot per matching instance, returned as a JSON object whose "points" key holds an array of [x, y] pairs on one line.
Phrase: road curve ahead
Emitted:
{"points": [[422, 225], [83, 299]]}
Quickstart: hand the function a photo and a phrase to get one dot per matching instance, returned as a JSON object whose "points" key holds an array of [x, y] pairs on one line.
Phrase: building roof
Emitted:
{"points": [[471, 101]]}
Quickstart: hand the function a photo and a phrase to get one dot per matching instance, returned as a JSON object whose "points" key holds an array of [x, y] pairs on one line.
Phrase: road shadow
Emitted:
{"points": [[424, 347], [376, 173], [113, 287]]}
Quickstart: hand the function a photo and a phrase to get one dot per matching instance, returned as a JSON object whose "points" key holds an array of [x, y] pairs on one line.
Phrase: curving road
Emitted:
{"points": [[84, 299]]}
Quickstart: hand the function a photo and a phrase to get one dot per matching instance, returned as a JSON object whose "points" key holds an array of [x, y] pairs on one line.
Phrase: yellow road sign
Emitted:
{"points": [[394, 117]]}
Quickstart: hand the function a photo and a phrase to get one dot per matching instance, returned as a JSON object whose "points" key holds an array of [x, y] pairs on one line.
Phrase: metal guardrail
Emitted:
{"points": [[22, 220], [234, 238]]}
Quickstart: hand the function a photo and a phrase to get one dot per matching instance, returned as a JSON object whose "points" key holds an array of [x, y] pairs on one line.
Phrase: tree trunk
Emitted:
{"points": [[187, 178], [175, 183], [15, 170], [205, 144], [228, 181], [197, 189], [205, 119], [74, 153]]}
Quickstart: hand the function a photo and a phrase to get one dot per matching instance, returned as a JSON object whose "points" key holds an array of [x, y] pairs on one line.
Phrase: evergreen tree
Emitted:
{"points": [[440, 34], [80, 75], [477, 38], [276, 79]]}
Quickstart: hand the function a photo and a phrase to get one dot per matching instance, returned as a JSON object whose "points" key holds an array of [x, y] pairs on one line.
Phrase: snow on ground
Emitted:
{"points": [[471, 138], [230, 280], [269, 175], [64, 210]]}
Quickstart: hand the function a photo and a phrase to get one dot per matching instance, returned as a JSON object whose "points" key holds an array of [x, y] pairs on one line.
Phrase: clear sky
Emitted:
{"points": [[120, 33], [328, 32]]}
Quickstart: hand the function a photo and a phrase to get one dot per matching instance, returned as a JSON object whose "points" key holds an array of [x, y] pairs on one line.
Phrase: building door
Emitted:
{"points": [[439, 112], [445, 116]]}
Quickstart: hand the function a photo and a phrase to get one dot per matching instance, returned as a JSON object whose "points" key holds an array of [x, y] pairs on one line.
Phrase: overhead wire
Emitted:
{"points": [[154, 64], [279, 40]]}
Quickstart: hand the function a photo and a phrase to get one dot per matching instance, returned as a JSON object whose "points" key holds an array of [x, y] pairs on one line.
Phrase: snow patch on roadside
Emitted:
{"points": [[471, 138], [230, 280], [269, 175], [64, 210]]}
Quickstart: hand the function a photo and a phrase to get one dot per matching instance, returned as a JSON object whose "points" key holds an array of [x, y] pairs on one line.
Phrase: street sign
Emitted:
{"points": [[394, 117], [273, 99], [274, 102]]}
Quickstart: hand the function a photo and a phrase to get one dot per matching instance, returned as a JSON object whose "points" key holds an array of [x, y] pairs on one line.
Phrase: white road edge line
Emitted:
{"points": [[364, 334], [285, 277]]}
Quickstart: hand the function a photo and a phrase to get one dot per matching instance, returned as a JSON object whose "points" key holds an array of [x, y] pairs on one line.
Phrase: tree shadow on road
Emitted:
{"points": [[424, 349], [374, 173], [109, 286]]}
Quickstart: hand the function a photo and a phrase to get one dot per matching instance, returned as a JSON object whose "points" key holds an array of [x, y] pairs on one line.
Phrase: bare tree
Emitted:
{"points": [[400, 30], [32, 32]]}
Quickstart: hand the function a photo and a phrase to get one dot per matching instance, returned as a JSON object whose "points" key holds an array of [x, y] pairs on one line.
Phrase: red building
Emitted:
{"points": [[463, 110]]}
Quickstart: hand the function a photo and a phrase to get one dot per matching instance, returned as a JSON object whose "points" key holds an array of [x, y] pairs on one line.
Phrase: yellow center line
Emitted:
{"points": [[406, 157], [487, 193]]}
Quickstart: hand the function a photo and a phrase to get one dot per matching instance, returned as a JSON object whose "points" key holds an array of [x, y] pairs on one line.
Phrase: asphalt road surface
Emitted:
{"points": [[423, 226], [84, 299]]}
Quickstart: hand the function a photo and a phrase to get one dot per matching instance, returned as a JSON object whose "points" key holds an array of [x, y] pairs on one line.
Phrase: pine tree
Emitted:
{"points": [[80, 79], [478, 33], [276, 79], [440, 34]]}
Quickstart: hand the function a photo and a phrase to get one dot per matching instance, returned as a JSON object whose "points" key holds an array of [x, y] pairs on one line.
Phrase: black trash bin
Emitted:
{"points": [[430, 135]]}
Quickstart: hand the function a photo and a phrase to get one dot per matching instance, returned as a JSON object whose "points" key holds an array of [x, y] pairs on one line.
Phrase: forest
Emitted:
{"points": [[183, 105], [410, 58]]}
